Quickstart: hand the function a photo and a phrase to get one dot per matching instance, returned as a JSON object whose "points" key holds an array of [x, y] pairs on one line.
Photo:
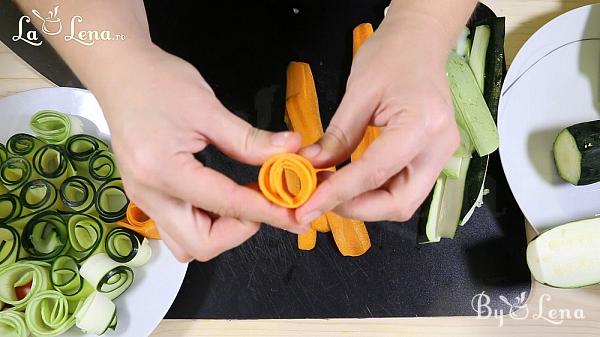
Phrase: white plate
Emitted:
{"points": [[552, 84], [156, 284]]}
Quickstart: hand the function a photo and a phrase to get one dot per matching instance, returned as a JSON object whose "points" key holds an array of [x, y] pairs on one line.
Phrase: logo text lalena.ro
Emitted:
{"points": [[52, 25]]}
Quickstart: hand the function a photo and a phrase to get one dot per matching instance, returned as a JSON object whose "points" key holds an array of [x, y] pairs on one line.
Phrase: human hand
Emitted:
{"points": [[397, 83], [161, 112]]}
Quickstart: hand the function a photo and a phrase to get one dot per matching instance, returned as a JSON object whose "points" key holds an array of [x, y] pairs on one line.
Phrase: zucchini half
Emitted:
{"points": [[567, 256], [577, 153]]}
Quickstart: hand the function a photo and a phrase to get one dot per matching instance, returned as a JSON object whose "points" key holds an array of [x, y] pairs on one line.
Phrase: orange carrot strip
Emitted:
{"points": [[308, 240], [359, 35], [350, 236], [273, 184], [321, 224], [139, 222]]}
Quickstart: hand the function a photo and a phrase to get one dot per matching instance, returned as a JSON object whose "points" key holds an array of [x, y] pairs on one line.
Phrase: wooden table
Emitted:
{"points": [[523, 18]]}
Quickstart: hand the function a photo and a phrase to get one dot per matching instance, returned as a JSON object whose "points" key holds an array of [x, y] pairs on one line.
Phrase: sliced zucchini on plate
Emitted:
{"points": [[567, 256], [577, 153]]}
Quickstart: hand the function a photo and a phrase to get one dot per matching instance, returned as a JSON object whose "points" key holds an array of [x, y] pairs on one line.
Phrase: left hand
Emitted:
{"points": [[398, 83]]}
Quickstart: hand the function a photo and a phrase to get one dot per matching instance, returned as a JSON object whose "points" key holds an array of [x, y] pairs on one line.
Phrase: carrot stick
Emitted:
{"points": [[359, 35], [350, 236], [308, 240]]}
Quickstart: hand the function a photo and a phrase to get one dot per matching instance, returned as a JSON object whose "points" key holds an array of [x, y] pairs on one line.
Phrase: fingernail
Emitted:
{"points": [[280, 138], [311, 151], [308, 218]]}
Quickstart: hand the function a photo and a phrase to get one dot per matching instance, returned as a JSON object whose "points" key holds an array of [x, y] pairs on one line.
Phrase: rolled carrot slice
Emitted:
{"points": [[274, 184], [350, 236], [140, 223], [359, 35]]}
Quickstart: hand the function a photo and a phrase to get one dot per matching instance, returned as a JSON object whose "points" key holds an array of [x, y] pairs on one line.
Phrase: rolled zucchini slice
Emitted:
{"points": [[19, 274], [567, 256], [3, 153], [52, 163], [45, 236], [97, 314], [102, 167], [111, 201], [10, 243], [10, 208], [66, 279], [77, 195], [23, 145], [127, 247], [80, 149], [47, 314], [16, 172], [55, 127], [37, 195], [86, 236], [12, 324], [577, 153], [107, 276]]}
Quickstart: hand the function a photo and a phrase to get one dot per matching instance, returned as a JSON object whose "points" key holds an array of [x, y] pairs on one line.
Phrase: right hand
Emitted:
{"points": [[161, 112]]}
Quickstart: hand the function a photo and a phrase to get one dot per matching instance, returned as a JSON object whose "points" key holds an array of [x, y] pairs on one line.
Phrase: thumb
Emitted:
{"points": [[245, 143], [345, 130]]}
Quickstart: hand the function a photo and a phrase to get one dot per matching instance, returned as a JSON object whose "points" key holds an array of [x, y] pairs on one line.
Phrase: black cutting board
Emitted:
{"points": [[242, 49]]}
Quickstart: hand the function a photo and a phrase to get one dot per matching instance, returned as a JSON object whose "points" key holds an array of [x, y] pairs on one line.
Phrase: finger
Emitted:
{"points": [[191, 232], [178, 251], [344, 131], [210, 190], [404, 193], [240, 141], [400, 141]]}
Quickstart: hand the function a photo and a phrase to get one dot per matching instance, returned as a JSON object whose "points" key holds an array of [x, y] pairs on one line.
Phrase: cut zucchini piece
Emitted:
{"points": [[577, 153], [55, 127], [47, 314], [96, 315], [478, 54], [471, 106], [12, 324], [567, 256], [107, 276], [452, 202]]}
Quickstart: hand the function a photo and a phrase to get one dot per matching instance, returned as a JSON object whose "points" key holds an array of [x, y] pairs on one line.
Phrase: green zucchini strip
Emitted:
{"points": [[20, 274], [96, 315], [23, 145], [102, 167], [127, 247], [52, 163], [55, 127], [10, 244], [15, 172], [111, 201], [477, 60], [47, 314], [37, 195], [77, 194], [10, 207], [12, 324], [85, 236], [66, 279], [471, 106], [45, 236], [107, 276]]}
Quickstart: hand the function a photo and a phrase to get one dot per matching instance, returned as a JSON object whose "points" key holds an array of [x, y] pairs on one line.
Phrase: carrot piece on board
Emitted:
{"points": [[139, 222], [359, 35], [350, 236], [308, 240], [273, 181]]}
